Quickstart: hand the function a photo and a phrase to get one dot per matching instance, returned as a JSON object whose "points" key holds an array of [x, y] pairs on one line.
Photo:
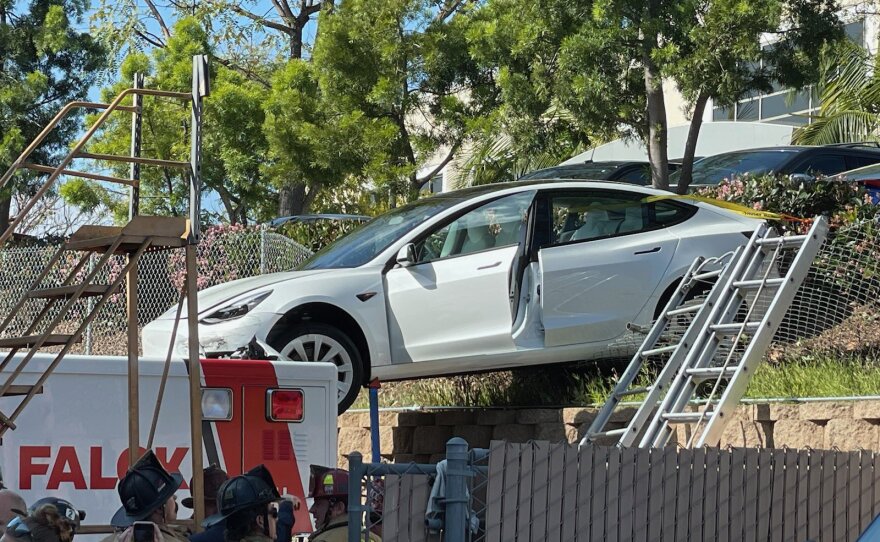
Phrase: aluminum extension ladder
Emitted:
{"points": [[705, 358]]}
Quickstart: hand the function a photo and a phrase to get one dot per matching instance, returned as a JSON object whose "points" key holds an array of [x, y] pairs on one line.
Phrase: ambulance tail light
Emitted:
{"points": [[284, 405]]}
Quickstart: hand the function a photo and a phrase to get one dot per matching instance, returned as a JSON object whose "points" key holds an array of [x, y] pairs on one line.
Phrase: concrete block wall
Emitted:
{"points": [[421, 435]]}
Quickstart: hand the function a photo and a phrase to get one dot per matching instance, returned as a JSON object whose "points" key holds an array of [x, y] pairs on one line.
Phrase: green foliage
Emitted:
{"points": [[849, 94], [842, 201], [400, 73], [316, 235], [46, 62]]}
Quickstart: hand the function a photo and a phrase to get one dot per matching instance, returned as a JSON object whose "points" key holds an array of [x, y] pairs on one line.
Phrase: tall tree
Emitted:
{"points": [[605, 61], [403, 65], [234, 146], [44, 63]]}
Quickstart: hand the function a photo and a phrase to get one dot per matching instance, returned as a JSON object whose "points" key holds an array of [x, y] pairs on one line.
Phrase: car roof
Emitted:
{"points": [[317, 217]]}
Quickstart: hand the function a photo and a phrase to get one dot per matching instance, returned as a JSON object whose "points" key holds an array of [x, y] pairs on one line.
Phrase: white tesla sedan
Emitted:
{"points": [[485, 278]]}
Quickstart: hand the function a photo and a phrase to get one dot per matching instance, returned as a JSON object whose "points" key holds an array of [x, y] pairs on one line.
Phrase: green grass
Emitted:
{"points": [[588, 384]]}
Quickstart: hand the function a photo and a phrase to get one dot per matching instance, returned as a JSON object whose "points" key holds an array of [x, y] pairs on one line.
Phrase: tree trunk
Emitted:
{"points": [[5, 204], [690, 146], [293, 199], [657, 156]]}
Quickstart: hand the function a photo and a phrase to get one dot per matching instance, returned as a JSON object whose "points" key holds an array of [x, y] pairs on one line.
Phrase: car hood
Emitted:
{"points": [[216, 295]]}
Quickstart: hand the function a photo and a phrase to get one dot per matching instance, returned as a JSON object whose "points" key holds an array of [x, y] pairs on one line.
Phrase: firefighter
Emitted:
{"points": [[214, 478], [329, 488], [47, 520], [147, 494], [248, 505]]}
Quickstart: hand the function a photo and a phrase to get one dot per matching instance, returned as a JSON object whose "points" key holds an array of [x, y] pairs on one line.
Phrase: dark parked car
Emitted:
{"points": [[786, 160], [633, 172]]}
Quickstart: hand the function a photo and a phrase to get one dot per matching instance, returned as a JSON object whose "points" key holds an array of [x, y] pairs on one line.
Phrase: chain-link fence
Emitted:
{"points": [[224, 254], [420, 502]]}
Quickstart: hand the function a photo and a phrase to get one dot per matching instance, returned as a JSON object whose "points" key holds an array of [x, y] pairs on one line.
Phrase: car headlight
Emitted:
{"points": [[236, 308]]}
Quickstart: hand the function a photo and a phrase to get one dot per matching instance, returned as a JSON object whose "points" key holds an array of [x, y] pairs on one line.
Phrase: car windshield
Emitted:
{"points": [[579, 171], [366, 242], [714, 169]]}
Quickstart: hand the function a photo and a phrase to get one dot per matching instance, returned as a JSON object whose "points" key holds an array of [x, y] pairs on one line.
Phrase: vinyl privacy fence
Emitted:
{"points": [[540, 491]]}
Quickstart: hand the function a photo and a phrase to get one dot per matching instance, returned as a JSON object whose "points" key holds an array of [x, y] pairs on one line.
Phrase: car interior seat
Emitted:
{"points": [[633, 220], [596, 224]]}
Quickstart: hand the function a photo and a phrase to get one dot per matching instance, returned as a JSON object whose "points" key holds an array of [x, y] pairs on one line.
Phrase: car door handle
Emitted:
{"points": [[489, 266], [649, 251]]}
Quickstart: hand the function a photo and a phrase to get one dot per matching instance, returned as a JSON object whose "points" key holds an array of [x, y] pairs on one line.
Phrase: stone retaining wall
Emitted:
{"points": [[421, 435]]}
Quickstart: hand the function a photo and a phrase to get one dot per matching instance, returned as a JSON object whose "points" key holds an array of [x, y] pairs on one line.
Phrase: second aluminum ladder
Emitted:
{"points": [[716, 355]]}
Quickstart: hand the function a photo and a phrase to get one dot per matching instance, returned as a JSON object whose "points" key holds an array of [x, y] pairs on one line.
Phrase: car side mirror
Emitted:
{"points": [[406, 256]]}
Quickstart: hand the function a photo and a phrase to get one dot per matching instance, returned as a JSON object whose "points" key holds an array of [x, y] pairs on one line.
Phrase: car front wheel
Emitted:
{"points": [[321, 342]]}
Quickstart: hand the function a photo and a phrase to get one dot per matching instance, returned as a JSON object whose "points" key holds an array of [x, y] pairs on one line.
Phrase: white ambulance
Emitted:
{"points": [[72, 439]]}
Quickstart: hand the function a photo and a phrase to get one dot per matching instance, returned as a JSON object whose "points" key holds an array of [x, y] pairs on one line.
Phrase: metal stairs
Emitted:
{"points": [[48, 314], [713, 359]]}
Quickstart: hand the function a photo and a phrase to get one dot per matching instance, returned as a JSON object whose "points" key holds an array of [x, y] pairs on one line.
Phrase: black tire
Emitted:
{"points": [[328, 339]]}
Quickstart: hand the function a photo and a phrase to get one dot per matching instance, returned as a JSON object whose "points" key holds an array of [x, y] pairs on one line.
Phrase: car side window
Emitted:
{"points": [[639, 175], [665, 213], [498, 223], [592, 216], [853, 162], [822, 164]]}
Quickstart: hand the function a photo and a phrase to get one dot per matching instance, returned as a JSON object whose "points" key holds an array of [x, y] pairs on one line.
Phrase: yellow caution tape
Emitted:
{"points": [[735, 207]]}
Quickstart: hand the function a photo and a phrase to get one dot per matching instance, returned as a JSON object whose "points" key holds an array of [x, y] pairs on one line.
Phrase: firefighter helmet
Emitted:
{"points": [[65, 509], [253, 488], [144, 489], [327, 483]]}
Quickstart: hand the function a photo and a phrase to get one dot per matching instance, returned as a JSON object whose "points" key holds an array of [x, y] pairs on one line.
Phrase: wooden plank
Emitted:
{"points": [[404, 524], [641, 532], [866, 487], [826, 528], [540, 480], [777, 501], [524, 503], [752, 478], [572, 484], [585, 491], [790, 503], [722, 527], [875, 509], [841, 475], [511, 491], [683, 494], [555, 491], [693, 530], [495, 490], [711, 510], [628, 487], [391, 509], [421, 490], [655, 493], [612, 494], [765, 494], [737, 493], [670, 488], [814, 495], [854, 494], [600, 495], [803, 483]]}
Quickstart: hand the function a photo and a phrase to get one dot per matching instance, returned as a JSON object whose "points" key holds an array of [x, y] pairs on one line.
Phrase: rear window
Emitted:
{"points": [[714, 169]]}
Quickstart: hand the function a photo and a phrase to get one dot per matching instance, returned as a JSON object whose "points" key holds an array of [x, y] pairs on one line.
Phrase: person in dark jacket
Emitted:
{"points": [[248, 504], [214, 478]]}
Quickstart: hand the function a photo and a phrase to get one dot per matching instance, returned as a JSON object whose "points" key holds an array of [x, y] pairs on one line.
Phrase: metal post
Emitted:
{"points": [[356, 473], [90, 306], [200, 89], [134, 193], [264, 265], [195, 388], [457, 500], [373, 388]]}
